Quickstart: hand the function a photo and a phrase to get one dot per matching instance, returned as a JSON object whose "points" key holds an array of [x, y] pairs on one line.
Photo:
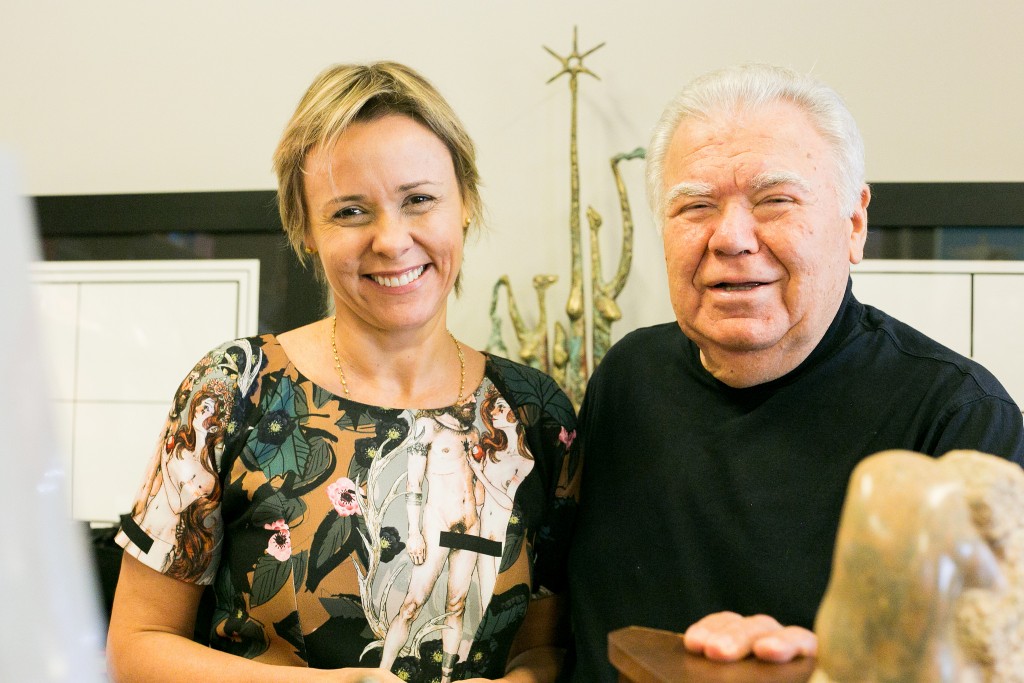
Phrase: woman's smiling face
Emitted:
{"points": [[386, 218]]}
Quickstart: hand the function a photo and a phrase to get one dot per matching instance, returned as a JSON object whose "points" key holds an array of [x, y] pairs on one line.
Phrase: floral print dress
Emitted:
{"points": [[340, 534]]}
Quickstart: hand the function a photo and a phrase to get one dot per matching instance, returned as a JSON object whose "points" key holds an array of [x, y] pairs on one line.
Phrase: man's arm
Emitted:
{"points": [[991, 425]]}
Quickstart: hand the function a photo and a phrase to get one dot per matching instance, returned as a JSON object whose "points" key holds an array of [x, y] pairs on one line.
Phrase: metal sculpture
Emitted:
{"points": [[567, 361]]}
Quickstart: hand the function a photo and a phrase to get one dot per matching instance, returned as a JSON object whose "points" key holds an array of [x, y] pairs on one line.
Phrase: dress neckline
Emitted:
{"points": [[345, 399]]}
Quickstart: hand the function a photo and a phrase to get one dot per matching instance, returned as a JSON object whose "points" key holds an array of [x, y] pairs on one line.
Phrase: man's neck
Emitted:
{"points": [[741, 370]]}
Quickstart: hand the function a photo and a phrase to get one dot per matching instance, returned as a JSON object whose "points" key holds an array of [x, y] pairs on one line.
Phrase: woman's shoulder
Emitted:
{"points": [[525, 385], [239, 361], [256, 344], [503, 368], [263, 349]]}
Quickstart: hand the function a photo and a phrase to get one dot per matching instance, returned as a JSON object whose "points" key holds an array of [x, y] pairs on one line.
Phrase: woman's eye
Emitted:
{"points": [[419, 201], [349, 212]]}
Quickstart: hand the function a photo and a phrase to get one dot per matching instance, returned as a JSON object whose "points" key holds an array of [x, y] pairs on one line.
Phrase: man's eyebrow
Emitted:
{"points": [[687, 189], [770, 179]]}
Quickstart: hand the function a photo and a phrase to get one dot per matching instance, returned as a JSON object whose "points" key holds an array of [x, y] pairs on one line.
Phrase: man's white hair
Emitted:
{"points": [[746, 88]]}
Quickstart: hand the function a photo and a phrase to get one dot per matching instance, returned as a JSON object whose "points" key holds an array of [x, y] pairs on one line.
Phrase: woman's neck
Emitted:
{"points": [[409, 369]]}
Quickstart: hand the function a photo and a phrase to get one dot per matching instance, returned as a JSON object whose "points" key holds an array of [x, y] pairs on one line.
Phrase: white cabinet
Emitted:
{"points": [[999, 328], [974, 307], [118, 337]]}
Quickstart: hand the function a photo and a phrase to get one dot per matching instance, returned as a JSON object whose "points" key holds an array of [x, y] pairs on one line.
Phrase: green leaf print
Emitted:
{"points": [[330, 546], [351, 419], [300, 405], [299, 562], [270, 575], [321, 396], [282, 444], [277, 459], [506, 610], [337, 533], [276, 507], [319, 460], [529, 386], [513, 540], [290, 629], [344, 606]]}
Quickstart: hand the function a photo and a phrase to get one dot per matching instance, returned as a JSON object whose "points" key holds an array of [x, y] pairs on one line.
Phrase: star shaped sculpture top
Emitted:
{"points": [[572, 63]]}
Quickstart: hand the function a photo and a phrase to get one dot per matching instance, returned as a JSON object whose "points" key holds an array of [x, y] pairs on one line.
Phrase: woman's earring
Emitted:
{"points": [[309, 250], [465, 226]]}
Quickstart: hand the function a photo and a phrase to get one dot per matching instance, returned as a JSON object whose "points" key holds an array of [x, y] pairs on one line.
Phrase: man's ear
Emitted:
{"points": [[859, 226]]}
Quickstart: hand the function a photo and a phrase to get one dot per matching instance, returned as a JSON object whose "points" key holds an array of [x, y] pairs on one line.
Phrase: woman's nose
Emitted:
{"points": [[391, 236]]}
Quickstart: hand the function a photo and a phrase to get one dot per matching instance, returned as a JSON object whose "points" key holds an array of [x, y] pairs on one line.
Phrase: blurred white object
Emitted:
{"points": [[95, 316], [51, 629]]}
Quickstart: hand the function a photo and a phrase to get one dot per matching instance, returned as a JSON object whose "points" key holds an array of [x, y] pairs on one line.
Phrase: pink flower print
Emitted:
{"points": [[280, 545], [567, 437], [343, 497]]}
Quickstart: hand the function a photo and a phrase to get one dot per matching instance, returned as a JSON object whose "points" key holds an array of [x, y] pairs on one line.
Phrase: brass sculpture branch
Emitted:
{"points": [[604, 294], [567, 361], [576, 342]]}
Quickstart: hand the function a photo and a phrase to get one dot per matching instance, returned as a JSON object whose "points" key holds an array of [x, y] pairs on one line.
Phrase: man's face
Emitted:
{"points": [[757, 253]]}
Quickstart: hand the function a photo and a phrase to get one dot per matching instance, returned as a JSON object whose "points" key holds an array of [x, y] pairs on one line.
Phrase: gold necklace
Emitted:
{"points": [[341, 373]]}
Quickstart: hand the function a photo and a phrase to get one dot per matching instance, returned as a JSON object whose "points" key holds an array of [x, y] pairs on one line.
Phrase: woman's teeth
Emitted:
{"points": [[403, 279]]}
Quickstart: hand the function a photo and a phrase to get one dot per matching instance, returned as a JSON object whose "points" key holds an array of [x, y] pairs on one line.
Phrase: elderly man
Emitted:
{"points": [[717, 448]]}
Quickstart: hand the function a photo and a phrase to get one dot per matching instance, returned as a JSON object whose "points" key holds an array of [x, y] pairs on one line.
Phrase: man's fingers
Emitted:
{"points": [[736, 640], [697, 635], [786, 644], [727, 637]]}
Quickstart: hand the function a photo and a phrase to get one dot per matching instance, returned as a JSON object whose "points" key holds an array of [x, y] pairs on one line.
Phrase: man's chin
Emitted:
{"points": [[734, 338]]}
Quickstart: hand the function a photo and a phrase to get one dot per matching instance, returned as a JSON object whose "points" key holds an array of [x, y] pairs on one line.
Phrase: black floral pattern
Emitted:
{"points": [[276, 428], [390, 543]]}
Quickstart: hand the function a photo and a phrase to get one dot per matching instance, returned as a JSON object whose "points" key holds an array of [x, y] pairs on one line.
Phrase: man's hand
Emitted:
{"points": [[728, 637]]}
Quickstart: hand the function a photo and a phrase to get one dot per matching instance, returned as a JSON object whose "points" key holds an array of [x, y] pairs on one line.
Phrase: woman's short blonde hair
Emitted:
{"points": [[347, 93]]}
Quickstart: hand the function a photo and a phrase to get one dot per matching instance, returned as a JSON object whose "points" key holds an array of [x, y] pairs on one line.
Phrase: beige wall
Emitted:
{"points": [[112, 97]]}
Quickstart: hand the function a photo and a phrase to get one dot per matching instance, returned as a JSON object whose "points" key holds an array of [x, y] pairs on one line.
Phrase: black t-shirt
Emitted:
{"points": [[698, 497]]}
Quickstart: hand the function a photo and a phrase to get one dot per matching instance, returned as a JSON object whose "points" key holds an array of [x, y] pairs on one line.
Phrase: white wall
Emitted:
{"points": [[115, 97]]}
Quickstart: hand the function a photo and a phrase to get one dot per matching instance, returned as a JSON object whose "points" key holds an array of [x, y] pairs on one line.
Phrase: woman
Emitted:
{"points": [[502, 465], [344, 528], [179, 486]]}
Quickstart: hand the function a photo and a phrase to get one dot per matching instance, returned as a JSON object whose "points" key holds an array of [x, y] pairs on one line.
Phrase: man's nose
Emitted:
{"points": [[735, 231]]}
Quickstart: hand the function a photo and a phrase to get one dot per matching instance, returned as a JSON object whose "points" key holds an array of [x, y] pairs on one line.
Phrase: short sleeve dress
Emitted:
{"points": [[340, 534]]}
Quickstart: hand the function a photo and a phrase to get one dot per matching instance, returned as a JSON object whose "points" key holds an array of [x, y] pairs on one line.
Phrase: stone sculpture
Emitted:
{"points": [[927, 581]]}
